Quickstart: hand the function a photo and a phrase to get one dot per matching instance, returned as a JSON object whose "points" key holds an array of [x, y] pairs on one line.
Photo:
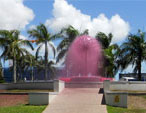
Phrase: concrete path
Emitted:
{"points": [[77, 100]]}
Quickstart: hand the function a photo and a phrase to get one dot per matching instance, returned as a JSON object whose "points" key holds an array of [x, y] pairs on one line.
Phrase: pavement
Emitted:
{"points": [[77, 100]]}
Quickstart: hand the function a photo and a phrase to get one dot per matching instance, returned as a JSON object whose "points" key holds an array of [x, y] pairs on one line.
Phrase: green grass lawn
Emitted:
{"points": [[136, 104], [22, 109], [111, 109]]}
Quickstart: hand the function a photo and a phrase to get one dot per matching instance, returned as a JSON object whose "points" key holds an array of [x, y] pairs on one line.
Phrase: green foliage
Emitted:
{"points": [[2, 81], [22, 109], [109, 53], [104, 39], [133, 51], [115, 58], [41, 34], [68, 35], [11, 44]]}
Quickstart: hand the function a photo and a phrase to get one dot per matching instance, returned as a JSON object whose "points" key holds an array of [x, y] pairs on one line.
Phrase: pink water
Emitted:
{"points": [[84, 61]]}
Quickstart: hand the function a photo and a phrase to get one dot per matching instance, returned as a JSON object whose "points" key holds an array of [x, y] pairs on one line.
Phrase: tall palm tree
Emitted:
{"points": [[133, 51], [68, 35], [41, 34], [12, 45], [104, 39], [109, 52]]}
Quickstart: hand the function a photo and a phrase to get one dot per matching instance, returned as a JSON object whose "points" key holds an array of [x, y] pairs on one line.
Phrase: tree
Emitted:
{"points": [[12, 46], [27, 63], [51, 67], [41, 34], [1, 72], [104, 39], [68, 35], [109, 52], [133, 51]]}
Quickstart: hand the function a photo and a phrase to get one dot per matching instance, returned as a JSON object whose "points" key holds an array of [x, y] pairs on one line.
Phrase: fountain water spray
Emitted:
{"points": [[84, 60]]}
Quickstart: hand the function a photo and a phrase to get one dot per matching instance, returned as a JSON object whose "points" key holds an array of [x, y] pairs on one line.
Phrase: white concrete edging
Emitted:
{"points": [[118, 99], [45, 98], [58, 85], [128, 86], [41, 98]]}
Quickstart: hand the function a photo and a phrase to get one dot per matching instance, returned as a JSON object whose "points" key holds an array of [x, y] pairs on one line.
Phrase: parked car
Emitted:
{"points": [[128, 79]]}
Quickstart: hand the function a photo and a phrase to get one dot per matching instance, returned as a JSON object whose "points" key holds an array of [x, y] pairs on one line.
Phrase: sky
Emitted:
{"points": [[118, 17]]}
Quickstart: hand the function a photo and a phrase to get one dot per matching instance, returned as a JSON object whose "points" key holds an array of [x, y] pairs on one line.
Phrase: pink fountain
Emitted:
{"points": [[84, 61]]}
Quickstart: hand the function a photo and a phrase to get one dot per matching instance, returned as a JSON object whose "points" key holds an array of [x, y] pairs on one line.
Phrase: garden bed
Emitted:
{"points": [[17, 104], [13, 100]]}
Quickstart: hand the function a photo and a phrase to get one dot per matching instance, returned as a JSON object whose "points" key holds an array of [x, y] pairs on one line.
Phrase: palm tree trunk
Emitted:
{"points": [[46, 60], [14, 70], [1, 71], [139, 73], [139, 69], [32, 74]]}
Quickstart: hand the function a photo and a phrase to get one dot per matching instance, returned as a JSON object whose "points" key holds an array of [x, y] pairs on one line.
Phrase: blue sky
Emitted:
{"points": [[120, 17], [132, 11]]}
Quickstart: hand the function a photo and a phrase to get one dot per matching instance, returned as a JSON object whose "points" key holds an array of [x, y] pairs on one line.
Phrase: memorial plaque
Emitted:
{"points": [[117, 99]]}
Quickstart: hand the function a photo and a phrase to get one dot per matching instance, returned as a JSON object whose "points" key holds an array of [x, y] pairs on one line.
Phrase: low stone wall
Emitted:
{"points": [[84, 85], [45, 98], [128, 86], [28, 85], [58, 85], [118, 99], [112, 98], [41, 98], [115, 98], [106, 85]]}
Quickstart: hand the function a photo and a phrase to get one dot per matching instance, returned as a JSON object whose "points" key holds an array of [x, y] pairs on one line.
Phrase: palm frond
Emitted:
{"points": [[53, 48], [38, 50], [61, 54], [64, 43]]}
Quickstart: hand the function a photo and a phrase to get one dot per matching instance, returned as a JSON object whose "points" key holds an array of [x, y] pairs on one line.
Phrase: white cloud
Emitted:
{"points": [[32, 27], [23, 37], [14, 14], [66, 14]]}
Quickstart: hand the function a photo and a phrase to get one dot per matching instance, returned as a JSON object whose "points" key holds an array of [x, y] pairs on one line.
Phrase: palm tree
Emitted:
{"points": [[133, 51], [27, 63], [41, 34], [109, 51], [52, 69], [51, 66], [12, 46], [68, 34], [104, 39], [1, 71]]}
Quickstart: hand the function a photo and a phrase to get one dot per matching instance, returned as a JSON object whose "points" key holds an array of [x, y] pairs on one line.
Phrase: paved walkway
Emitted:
{"points": [[77, 100]]}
